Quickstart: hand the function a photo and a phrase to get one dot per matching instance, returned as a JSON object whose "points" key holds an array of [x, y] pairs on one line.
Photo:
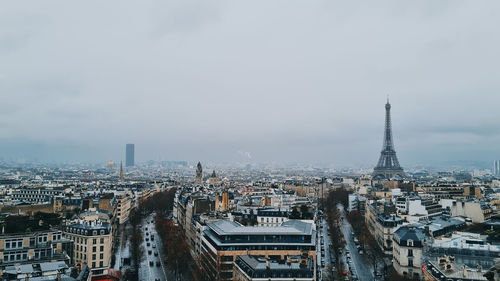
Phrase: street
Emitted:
{"points": [[362, 268], [152, 267], [324, 255]]}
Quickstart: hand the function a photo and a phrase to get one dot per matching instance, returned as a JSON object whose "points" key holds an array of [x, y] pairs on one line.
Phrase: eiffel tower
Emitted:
{"points": [[388, 164]]}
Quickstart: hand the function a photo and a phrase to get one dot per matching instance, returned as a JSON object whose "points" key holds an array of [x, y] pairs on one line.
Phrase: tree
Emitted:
{"points": [[136, 249], [295, 214]]}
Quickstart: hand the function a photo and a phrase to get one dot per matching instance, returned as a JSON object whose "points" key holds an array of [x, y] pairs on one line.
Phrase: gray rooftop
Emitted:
{"points": [[291, 227]]}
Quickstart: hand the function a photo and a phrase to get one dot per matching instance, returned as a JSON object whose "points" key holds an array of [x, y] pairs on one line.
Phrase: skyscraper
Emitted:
{"points": [[496, 168], [388, 164], [129, 155]]}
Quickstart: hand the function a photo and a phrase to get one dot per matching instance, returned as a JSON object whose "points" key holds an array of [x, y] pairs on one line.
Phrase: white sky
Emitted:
{"points": [[286, 81]]}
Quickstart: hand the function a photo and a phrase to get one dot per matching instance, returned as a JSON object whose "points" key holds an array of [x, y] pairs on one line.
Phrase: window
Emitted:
{"points": [[102, 240], [93, 264], [101, 256], [410, 252], [410, 243], [94, 241], [93, 257], [94, 249], [102, 248], [410, 262], [101, 264]]}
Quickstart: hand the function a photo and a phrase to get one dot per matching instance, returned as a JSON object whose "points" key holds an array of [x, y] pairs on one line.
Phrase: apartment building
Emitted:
{"points": [[477, 211], [271, 216], [223, 241], [37, 247], [93, 240], [256, 268], [408, 247]]}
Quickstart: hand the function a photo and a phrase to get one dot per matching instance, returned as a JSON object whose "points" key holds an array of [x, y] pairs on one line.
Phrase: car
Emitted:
{"points": [[151, 263], [156, 253], [158, 263]]}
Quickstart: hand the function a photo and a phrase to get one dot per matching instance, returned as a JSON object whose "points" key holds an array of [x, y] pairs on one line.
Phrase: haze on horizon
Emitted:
{"points": [[281, 81]]}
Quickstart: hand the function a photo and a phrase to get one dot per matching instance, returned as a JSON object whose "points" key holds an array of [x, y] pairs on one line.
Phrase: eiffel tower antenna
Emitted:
{"points": [[388, 164]]}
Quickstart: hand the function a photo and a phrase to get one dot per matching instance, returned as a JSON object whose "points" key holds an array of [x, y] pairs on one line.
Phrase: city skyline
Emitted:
{"points": [[192, 73]]}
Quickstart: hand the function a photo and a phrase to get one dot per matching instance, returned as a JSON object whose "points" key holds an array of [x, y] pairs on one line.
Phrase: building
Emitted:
{"points": [[415, 208], [388, 165], [496, 168], [271, 216], [291, 268], [124, 205], [24, 249], [447, 269], [477, 211], [470, 249], [223, 241], [129, 155], [43, 271], [92, 237], [35, 195], [408, 246], [199, 174]]}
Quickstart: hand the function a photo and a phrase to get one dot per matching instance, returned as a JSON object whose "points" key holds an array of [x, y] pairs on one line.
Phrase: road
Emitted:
{"points": [[362, 268], [152, 267], [324, 255]]}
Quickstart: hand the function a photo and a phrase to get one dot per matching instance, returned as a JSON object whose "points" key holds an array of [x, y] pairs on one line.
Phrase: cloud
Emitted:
{"points": [[286, 80]]}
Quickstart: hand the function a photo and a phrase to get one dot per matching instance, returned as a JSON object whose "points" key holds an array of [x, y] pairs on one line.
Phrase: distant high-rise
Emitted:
{"points": [[496, 168], [388, 164], [129, 155]]}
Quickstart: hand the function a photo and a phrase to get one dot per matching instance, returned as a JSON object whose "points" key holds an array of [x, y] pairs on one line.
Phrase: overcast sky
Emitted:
{"points": [[280, 81]]}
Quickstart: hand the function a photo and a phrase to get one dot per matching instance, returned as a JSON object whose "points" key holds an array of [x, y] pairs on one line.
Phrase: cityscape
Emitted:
{"points": [[217, 141]]}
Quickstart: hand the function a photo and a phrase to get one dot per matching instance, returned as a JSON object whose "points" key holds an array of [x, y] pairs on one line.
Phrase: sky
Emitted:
{"points": [[249, 81]]}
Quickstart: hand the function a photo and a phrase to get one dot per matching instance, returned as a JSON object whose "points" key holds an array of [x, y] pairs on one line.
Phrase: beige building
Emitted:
{"points": [[37, 247], [408, 246], [92, 238], [123, 206], [477, 211]]}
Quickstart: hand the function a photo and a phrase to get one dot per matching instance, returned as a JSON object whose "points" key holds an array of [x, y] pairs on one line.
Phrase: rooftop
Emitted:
{"points": [[291, 227]]}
